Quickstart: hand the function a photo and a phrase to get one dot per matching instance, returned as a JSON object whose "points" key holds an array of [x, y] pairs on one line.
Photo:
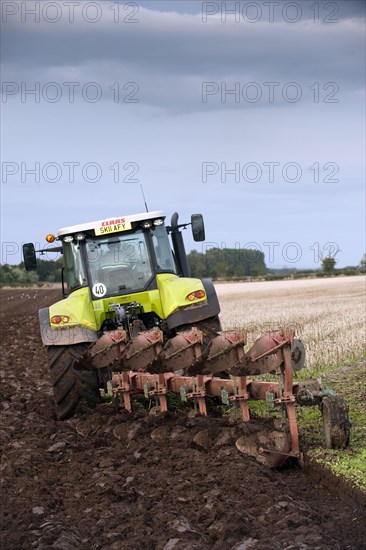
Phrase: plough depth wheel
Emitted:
{"points": [[336, 422]]}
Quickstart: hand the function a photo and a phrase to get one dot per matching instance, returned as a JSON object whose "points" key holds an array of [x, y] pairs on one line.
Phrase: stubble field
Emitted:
{"points": [[329, 315]]}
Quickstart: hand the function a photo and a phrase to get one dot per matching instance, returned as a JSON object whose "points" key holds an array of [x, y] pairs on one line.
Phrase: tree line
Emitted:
{"points": [[215, 263], [227, 263], [48, 271]]}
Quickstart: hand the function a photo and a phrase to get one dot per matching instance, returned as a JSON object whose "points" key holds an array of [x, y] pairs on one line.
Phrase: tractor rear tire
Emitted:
{"points": [[210, 328], [336, 422], [70, 386]]}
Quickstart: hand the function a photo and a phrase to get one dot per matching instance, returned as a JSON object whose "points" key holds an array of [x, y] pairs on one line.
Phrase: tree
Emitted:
{"points": [[47, 271], [227, 263], [328, 264], [363, 262]]}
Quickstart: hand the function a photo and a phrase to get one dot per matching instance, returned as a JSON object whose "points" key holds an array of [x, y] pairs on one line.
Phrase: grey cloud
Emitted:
{"points": [[343, 8], [170, 55], [158, 39]]}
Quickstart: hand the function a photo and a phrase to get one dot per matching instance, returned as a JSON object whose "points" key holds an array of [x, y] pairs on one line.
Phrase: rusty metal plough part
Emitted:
{"points": [[184, 366], [238, 390], [186, 352]]}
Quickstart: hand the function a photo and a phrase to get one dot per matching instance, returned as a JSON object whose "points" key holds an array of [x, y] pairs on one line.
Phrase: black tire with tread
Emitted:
{"points": [[336, 422], [210, 328], [71, 386]]}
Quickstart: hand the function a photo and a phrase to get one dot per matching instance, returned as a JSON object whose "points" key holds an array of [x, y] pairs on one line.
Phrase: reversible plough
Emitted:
{"points": [[274, 353]]}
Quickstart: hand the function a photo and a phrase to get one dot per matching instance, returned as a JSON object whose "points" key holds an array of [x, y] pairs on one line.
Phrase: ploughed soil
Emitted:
{"points": [[107, 479]]}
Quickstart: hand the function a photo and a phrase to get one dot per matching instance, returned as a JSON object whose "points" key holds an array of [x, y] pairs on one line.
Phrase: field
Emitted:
{"points": [[329, 315], [109, 480]]}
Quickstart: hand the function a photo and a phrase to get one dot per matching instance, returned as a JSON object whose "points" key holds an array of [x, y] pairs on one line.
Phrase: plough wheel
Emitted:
{"points": [[336, 422], [270, 448]]}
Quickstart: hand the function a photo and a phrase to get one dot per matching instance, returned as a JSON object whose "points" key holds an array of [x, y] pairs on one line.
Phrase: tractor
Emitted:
{"points": [[132, 320]]}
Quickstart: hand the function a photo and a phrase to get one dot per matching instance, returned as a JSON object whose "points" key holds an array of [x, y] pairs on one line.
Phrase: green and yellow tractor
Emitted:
{"points": [[133, 320]]}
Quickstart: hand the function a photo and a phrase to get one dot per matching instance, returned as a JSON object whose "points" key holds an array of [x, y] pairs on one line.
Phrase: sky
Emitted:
{"points": [[251, 113]]}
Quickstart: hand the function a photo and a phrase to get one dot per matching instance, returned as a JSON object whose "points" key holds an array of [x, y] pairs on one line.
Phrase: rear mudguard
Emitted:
{"points": [[63, 336], [197, 313]]}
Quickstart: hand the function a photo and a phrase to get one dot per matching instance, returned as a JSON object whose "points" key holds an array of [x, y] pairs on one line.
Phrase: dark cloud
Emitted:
{"points": [[171, 55], [343, 8]]}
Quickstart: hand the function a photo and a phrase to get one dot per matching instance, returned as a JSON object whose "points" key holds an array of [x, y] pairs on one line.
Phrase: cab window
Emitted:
{"points": [[163, 253], [119, 263], [75, 274]]}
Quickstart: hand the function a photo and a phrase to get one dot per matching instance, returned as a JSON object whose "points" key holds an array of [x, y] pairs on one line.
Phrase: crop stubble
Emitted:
{"points": [[329, 315]]}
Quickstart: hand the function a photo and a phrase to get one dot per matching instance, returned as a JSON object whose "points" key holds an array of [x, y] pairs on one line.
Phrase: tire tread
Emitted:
{"points": [[71, 387]]}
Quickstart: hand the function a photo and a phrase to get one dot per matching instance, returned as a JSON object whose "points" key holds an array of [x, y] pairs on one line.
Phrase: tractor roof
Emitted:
{"points": [[121, 223]]}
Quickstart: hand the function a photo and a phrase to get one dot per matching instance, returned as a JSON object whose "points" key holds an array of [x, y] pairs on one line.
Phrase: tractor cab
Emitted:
{"points": [[118, 256]]}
